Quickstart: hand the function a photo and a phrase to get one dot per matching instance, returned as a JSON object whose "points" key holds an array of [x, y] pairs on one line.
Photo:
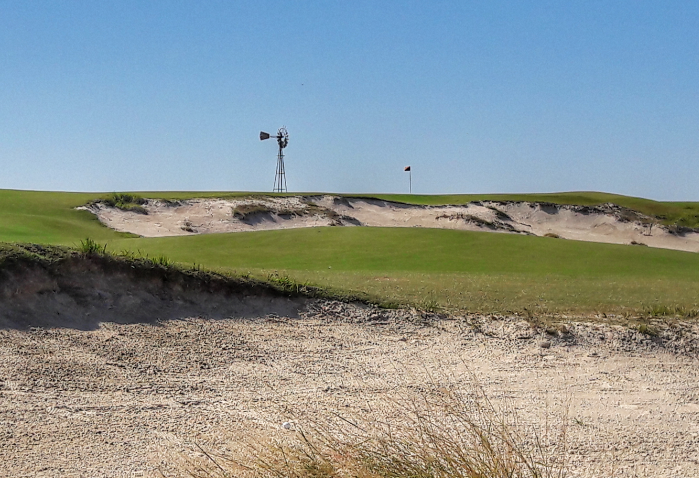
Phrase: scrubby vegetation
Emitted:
{"points": [[246, 211], [647, 329], [501, 215], [661, 310], [468, 218], [90, 246], [126, 202]]}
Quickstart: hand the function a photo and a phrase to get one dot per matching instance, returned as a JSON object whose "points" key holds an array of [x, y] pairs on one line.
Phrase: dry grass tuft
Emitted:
{"points": [[433, 433]]}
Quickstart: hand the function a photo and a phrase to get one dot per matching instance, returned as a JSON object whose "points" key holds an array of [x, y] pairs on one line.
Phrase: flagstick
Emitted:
{"points": [[410, 176]]}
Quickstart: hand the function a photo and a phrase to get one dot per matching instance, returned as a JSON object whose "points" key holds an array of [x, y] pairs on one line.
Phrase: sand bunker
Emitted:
{"points": [[115, 401], [607, 223], [110, 367]]}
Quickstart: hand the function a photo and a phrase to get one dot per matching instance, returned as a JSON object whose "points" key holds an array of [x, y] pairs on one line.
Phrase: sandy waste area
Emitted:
{"points": [[607, 223], [132, 399]]}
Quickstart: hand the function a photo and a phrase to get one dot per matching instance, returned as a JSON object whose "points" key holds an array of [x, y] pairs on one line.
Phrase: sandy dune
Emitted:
{"points": [[607, 223]]}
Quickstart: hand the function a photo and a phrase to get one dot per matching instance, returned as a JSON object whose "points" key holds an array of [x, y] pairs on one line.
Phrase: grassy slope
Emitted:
{"points": [[457, 269], [49, 217], [466, 270]]}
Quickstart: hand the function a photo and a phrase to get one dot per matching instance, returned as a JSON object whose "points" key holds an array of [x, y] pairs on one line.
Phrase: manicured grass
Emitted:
{"points": [[454, 269], [419, 250], [49, 218]]}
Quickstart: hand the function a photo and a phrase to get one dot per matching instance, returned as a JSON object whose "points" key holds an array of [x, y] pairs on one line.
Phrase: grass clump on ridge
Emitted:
{"points": [[126, 202], [90, 246], [647, 329], [661, 310]]}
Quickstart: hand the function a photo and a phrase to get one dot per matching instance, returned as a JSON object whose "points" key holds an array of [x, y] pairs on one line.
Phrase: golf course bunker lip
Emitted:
{"points": [[607, 223], [81, 291]]}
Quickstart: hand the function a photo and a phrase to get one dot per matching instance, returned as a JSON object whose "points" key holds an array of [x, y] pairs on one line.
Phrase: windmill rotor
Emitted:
{"points": [[283, 137]]}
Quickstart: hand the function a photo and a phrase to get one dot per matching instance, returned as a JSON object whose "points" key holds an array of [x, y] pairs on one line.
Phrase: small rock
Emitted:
{"points": [[286, 426], [545, 344]]}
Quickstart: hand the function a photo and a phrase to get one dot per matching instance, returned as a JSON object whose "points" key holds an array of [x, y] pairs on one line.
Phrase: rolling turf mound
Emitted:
{"points": [[43, 286], [451, 268]]}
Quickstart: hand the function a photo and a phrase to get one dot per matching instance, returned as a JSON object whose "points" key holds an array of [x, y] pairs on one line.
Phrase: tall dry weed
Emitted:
{"points": [[425, 432]]}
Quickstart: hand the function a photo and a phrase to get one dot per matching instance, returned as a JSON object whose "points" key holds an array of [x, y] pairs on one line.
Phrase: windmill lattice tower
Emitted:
{"points": [[282, 138]]}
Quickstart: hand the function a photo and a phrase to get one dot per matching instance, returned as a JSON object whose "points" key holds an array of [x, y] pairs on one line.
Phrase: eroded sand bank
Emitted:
{"points": [[607, 223]]}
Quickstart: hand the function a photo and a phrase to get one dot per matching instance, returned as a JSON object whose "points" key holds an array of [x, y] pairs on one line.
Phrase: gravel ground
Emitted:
{"points": [[121, 400]]}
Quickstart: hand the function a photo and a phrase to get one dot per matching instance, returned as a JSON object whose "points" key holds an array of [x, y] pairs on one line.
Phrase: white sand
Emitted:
{"points": [[113, 402], [607, 223]]}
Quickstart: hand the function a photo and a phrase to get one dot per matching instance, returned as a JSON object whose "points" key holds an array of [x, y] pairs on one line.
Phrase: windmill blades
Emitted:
{"points": [[283, 137]]}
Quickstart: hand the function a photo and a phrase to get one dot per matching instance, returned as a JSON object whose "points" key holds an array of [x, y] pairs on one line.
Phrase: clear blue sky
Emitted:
{"points": [[487, 96]]}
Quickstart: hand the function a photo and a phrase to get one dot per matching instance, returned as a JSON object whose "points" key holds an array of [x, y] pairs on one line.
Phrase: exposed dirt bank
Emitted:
{"points": [[607, 223], [56, 288]]}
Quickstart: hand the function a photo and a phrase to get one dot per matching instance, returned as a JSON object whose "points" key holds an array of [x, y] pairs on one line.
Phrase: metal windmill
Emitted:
{"points": [[280, 175]]}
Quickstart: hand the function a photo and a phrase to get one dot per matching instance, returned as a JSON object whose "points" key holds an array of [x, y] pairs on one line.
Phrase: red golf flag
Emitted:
{"points": [[407, 168]]}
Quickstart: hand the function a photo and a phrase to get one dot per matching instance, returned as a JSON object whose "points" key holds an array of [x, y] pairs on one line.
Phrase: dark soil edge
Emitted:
{"points": [[51, 286]]}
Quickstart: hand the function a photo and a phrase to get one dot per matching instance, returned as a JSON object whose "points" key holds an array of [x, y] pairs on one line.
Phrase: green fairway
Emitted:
{"points": [[49, 217], [454, 269]]}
